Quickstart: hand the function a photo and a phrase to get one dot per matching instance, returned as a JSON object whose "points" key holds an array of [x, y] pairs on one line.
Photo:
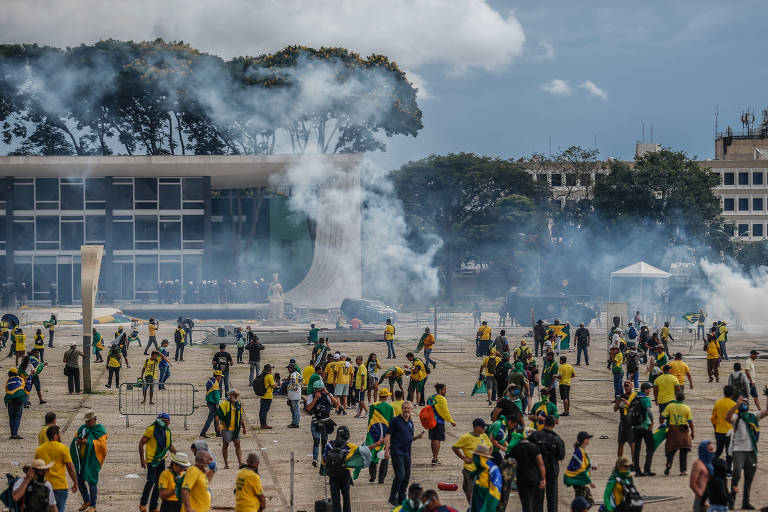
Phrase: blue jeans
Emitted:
{"points": [[618, 383], [15, 408], [264, 405], [211, 415], [88, 491], [725, 352], [700, 329], [165, 372], [427, 360], [226, 381], [401, 465], [60, 495], [582, 348], [295, 416], [319, 436], [390, 348], [255, 368]]}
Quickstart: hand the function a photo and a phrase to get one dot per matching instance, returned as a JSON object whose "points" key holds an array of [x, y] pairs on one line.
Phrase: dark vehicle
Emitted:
{"points": [[548, 306], [368, 311]]}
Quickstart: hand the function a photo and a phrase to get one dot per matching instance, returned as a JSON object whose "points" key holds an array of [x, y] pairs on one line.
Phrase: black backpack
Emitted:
{"points": [[501, 373], [335, 462], [491, 366], [6, 498], [636, 412], [632, 500], [177, 336], [258, 385], [35, 497], [632, 364]]}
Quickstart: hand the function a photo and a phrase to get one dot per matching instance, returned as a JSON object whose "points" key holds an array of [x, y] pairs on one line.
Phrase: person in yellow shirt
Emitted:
{"points": [[721, 424], [465, 447], [564, 376], [483, 340], [418, 379], [713, 358], [195, 491], [488, 370], [343, 370], [266, 399], [330, 373], [722, 339], [442, 414], [232, 421], [361, 384], [249, 496], [397, 402], [53, 450], [153, 325], [306, 373], [50, 420], [149, 375], [679, 369], [389, 338], [19, 346], [680, 432], [666, 337], [393, 375], [665, 387], [154, 445], [167, 482]]}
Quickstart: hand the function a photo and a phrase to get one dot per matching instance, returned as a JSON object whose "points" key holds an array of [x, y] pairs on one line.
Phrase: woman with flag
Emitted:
{"points": [[379, 415], [486, 493], [15, 396], [88, 450], [578, 474]]}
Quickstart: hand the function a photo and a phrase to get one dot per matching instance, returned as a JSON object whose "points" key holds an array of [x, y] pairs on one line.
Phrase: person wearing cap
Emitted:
{"points": [[552, 451], [549, 373], [150, 374], [72, 368], [531, 474], [580, 504], [329, 370], [488, 482], [231, 419], [249, 495], [15, 396], [539, 334], [89, 450], [156, 442], [543, 408], [167, 482], [195, 485], [293, 392], [389, 338], [34, 491], [55, 452], [465, 447], [212, 399], [320, 408], [401, 438], [523, 352], [583, 340], [750, 370], [165, 364], [621, 477], [265, 402], [380, 414], [578, 474], [483, 339]]}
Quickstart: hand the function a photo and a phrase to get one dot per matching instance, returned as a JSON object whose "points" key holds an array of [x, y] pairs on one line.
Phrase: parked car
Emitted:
{"points": [[368, 311]]}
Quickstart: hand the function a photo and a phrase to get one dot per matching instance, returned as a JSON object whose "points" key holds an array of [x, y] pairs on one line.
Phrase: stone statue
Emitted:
{"points": [[276, 299]]}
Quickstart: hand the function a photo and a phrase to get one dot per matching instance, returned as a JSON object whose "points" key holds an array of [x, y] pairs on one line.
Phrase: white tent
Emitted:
{"points": [[641, 270]]}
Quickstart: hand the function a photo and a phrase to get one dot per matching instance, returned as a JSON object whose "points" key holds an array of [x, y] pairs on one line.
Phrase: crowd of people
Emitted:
{"points": [[517, 450]]}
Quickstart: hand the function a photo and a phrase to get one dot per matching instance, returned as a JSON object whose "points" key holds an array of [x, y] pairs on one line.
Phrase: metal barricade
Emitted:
{"points": [[685, 336], [176, 399]]}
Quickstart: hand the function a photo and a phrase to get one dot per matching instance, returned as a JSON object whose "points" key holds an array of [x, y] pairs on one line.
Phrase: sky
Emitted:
{"points": [[496, 77]]}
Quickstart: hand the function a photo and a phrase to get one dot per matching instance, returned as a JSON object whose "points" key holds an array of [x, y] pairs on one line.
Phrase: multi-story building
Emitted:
{"points": [[186, 220]]}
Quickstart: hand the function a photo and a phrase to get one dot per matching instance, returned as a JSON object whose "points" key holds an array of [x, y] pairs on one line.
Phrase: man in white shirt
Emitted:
{"points": [[750, 368], [742, 449], [34, 488]]}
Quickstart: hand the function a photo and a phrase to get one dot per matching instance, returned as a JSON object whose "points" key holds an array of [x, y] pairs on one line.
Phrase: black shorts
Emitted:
{"points": [[437, 433], [626, 434], [565, 392], [753, 390]]}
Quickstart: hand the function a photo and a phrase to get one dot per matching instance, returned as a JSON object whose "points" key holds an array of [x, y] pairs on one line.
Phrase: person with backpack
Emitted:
{"points": [[641, 418], [222, 361], [483, 340], [633, 360], [170, 480], [240, 341], [401, 438], [439, 405], [620, 491], [502, 372], [518, 378], [488, 372], [154, 445], [578, 474], [631, 335], [739, 381], [264, 386], [334, 466], [72, 368], [254, 348], [33, 492], [180, 339], [121, 339], [212, 399], [500, 343], [552, 451]]}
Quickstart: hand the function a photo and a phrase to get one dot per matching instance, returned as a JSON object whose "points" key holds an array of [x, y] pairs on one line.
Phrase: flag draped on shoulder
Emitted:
{"points": [[577, 472], [379, 416], [89, 458], [486, 493]]}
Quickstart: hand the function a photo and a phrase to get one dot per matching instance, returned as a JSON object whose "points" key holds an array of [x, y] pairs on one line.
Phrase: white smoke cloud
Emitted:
{"points": [[557, 87], [460, 35], [734, 296], [548, 50], [593, 89]]}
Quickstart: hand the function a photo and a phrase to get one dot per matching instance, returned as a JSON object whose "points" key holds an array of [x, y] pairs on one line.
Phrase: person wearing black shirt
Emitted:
{"points": [[531, 474], [188, 325], [582, 344], [539, 333], [507, 408], [254, 349], [320, 408], [552, 451], [222, 361]]}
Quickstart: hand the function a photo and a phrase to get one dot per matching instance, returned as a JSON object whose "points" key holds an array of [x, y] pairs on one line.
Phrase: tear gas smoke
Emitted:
{"points": [[735, 296]]}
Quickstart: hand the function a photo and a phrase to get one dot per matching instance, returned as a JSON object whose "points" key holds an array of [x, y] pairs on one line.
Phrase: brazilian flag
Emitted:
{"points": [[479, 387], [14, 389], [378, 413], [359, 457], [562, 330], [487, 491], [659, 436], [89, 458], [577, 472]]}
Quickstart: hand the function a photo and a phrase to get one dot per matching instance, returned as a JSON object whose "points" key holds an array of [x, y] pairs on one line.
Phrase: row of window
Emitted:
{"points": [[571, 180], [91, 193], [742, 178], [743, 204], [742, 230]]}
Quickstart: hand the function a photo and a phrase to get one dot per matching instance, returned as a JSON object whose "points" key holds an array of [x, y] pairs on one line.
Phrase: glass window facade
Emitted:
{"points": [[757, 230], [728, 204], [743, 204]]}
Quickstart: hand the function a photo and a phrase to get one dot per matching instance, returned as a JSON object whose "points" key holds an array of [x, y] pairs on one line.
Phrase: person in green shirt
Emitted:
{"points": [[314, 335], [212, 399], [644, 433], [549, 375], [543, 408], [614, 490]]}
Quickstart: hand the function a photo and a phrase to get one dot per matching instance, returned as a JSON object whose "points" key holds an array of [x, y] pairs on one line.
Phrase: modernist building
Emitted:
{"points": [[181, 219]]}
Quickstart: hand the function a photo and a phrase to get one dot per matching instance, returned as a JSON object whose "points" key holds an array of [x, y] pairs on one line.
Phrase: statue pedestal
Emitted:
{"points": [[276, 312]]}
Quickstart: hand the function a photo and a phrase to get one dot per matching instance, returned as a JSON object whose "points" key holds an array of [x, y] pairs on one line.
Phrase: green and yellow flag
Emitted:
{"points": [[379, 413], [479, 387], [562, 330], [486, 493], [89, 458]]}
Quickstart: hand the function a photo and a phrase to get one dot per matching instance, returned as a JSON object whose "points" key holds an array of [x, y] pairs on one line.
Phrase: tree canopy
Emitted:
{"points": [[157, 97]]}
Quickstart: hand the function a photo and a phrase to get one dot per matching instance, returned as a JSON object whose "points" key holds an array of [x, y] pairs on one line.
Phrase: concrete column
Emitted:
{"points": [[7, 187], [110, 273], [207, 270]]}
